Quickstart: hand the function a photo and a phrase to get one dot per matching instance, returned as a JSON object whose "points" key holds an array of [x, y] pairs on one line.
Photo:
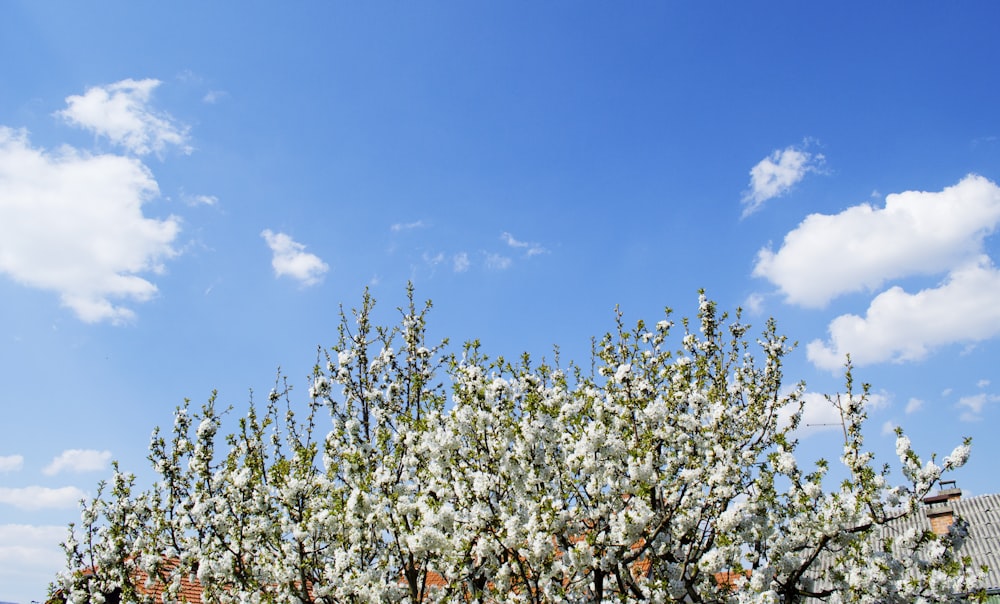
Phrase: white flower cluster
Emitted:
{"points": [[663, 476]]}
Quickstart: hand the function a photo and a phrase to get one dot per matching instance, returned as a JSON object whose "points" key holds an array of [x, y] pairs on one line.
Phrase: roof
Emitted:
{"points": [[983, 543], [190, 588]]}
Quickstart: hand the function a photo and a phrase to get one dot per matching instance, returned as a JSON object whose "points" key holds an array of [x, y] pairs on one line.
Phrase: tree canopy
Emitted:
{"points": [[664, 471]]}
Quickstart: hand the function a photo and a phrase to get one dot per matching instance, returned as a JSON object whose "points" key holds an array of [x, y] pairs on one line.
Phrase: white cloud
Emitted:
{"points": [[73, 223], [878, 400], [530, 249], [407, 226], [818, 415], [497, 262], [982, 383], [200, 200], [754, 303], [904, 327], [121, 112], [888, 428], [913, 405], [821, 414], [290, 259], [30, 555], [460, 262], [35, 497], [974, 405], [433, 259], [214, 96], [78, 460], [776, 174], [916, 233], [11, 463]]}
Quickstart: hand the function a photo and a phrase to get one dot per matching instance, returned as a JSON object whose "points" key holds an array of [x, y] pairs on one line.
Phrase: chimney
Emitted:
{"points": [[939, 509]]}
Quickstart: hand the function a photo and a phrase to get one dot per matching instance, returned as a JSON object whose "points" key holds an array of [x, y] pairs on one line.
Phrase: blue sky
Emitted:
{"points": [[189, 191]]}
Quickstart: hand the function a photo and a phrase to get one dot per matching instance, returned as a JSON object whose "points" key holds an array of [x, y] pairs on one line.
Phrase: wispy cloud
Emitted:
{"points": [[121, 112], [530, 248], [973, 406], [73, 223], [984, 140], [433, 259], [11, 463], [291, 260], [78, 460], [776, 174], [459, 262], [913, 405], [754, 303], [200, 200], [407, 226], [37, 498], [497, 262], [214, 96]]}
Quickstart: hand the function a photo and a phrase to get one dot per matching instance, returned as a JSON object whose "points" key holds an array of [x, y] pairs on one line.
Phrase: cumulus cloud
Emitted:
{"points": [[878, 400], [776, 174], [820, 414], [73, 223], [913, 405], [460, 262], [899, 326], [78, 460], [14, 536], [530, 249], [863, 247], [121, 113], [291, 260], [11, 463], [36, 498], [30, 553]]}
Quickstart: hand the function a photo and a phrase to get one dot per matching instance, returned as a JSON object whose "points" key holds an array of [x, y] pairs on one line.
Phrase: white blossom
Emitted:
{"points": [[509, 482], [622, 372]]}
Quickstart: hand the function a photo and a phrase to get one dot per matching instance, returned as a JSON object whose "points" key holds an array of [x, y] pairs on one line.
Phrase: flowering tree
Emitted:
{"points": [[410, 475]]}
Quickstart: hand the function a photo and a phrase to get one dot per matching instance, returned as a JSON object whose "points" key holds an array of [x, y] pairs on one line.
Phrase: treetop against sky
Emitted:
{"points": [[188, 193]]}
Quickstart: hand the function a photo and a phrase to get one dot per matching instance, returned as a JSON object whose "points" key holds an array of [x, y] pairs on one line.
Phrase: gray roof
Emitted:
{"points": [[983, 543]]}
